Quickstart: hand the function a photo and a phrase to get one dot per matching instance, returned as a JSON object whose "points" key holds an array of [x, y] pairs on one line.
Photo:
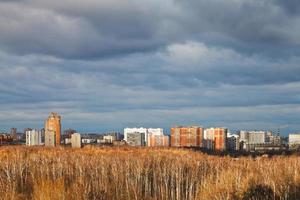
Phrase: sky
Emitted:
{"points": [[106, 65]]}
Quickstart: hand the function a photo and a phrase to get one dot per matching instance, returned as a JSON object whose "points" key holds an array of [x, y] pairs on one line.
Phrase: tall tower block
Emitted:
{"points": [[53, 125]]}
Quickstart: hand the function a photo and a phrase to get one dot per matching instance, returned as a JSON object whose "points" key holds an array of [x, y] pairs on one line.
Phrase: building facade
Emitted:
{"points": [[187, 136], [144, 131], [253, 139], [50, 139], [136, 139], [13, 133], [33, 138], [76, 140], [107, 139], [216, 138], [158, 140], [233, 143], [53, 126], [141, 130], [155, 131], [294, 141]]}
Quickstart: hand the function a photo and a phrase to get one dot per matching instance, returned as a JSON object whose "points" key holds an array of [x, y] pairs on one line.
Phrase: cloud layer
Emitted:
{"points": [[110, 64]]}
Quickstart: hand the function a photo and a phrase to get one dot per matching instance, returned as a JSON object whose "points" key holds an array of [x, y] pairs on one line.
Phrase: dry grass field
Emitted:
{"points": [[141, 173]]}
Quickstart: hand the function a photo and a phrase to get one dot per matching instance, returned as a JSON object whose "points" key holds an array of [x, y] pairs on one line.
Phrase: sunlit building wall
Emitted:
{"points": [[53, 125], [187, 136]]}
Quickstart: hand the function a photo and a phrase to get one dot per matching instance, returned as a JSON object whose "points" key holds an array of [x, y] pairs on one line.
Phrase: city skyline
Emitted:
{"points": [[167, 130], [106, 65]]}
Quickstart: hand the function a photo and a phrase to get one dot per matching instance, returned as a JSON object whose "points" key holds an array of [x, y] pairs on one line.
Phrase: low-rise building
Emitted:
{"points": [[5, 138], [119, 143], [67, 141], [107, 139], [88, 140], [116, 135]]}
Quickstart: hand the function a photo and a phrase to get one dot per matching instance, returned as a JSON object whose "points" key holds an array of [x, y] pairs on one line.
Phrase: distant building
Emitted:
{"points": [[257, 137], [119, 143], [252, 139], [43, 135], [116, 135], [5, 139], [67, 141], [50, 138], [215, 138], [157, 138], [13, 133], [275, 140], [208, 140], [88, 140], [141, 130], [294, 141], [27, 129], [136, 139], [33, 138], [156, 131], [107, 139], [24, 133], [53, 126], [67, 134], [260, 141], [76, 140], [233, 143], [187, 136], [144, 131]]}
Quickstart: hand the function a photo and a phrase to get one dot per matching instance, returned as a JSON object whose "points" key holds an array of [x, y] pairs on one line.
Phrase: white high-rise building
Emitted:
{"points": [[33, 137], [144, 131], [136, 130], [253, 139]]}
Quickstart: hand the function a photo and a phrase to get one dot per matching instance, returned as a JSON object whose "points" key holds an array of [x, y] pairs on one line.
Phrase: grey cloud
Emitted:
{"points": [[110, 64], [98, 29], [290, 6], [28, 29]]}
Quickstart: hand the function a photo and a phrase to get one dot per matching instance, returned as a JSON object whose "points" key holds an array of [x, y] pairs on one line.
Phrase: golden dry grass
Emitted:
{"points": [[142, 173]]}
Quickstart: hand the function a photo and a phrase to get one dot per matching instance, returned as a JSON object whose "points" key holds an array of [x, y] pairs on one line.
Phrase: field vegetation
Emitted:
{"points": [[143, 173]]}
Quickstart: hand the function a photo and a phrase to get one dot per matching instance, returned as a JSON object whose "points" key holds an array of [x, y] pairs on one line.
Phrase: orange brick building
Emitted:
{"points": [[53, 125], [218, 137], [158, 140], [189, 136]]}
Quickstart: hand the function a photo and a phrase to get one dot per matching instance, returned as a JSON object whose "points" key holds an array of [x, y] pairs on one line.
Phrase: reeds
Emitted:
{"points": [[142, 173]]}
